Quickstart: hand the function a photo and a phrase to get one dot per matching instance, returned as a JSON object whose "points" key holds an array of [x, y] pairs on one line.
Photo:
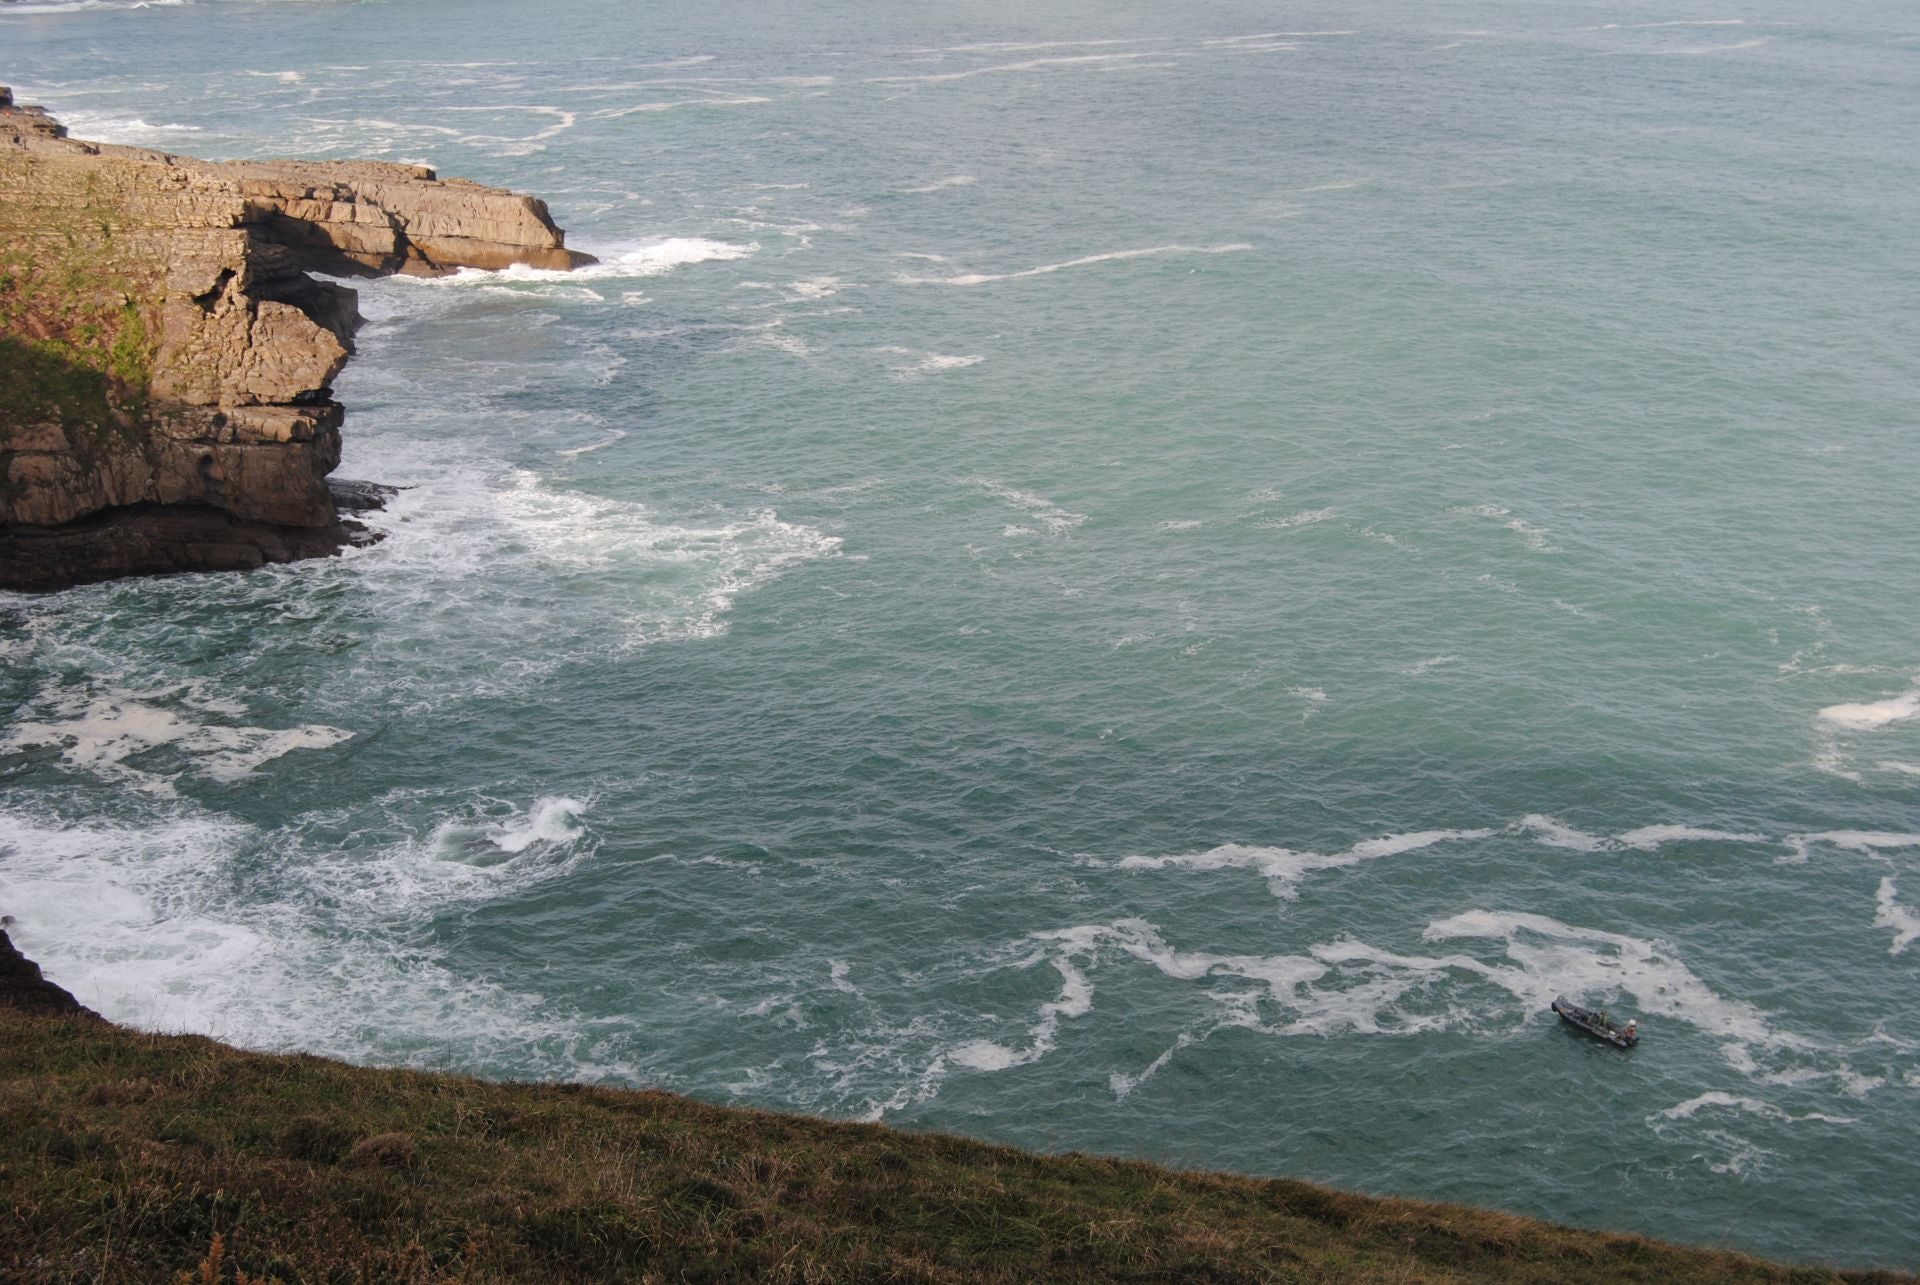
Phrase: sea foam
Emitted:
{"points": [[184, 921], [1116, 256], [98, 730]]}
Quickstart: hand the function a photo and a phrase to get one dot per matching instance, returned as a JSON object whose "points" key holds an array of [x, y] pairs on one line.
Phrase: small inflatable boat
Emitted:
{"points": [[1596, 1023]]}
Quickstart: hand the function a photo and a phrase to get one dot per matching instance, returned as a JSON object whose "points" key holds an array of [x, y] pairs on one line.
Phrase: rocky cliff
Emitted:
{"points": [[23, 988], [166, 361]]}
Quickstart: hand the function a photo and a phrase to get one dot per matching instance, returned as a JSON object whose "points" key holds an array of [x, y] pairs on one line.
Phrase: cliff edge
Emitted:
{"points": [[166, 361], [23, 989], [132, 1157]]}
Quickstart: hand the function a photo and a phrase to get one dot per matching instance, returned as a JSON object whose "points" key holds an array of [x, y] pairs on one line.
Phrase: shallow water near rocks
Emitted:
{"points": [[1145, 582]]}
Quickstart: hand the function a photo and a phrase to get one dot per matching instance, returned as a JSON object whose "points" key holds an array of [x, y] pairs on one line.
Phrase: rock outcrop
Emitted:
{"points": [[166, 361], [23, 988]]}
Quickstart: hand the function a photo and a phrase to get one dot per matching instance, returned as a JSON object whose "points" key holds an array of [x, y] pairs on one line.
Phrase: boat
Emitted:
{"points": [[1597, 1023]]}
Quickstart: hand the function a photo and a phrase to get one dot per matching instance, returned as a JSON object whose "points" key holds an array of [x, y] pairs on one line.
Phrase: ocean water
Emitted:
{"points": [[1137, 578]]}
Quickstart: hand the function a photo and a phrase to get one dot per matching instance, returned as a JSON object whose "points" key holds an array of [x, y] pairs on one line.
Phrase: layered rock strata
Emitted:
{"points": [[166, 361]]}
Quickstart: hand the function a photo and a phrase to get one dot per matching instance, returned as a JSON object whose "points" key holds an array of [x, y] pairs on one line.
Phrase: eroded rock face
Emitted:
{"points": [[166, 362], [22, 987]]}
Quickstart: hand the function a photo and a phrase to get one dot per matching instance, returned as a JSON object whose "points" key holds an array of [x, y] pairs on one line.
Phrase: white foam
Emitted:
{"points": [[1076, 1000], [1719, 1100], [1123, 1084], [1273, 35], [790, 344], [1360, 986], [79, 6], [687, 578], [591, 447], [1284, 868], [1555, 957], [525, 144], [1558, 835], [552, 820], [652, 257], [98, 731], [1649, 837], [176, 923], [1024, 46], [1738, 1155], [1349, 987], [1868, 841], [1307, 517], [130, 131], [1890, 914], [1056, 520], [1699, 50], [1867, 716], [1030, 64], [941, 185], [931, 363], [1684, 22], [982, 278], [809, 289], [1430, 663], [707, 99], [1534, 537]]}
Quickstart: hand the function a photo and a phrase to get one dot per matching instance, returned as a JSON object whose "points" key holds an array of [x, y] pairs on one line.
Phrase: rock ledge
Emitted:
{"points": [[166, 361]]}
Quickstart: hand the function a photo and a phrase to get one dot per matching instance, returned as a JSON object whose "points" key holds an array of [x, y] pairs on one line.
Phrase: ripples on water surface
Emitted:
{"points": [[1142, 582]]}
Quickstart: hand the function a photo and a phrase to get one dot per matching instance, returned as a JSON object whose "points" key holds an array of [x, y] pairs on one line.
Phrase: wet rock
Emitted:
{"points": [[23, 988]]}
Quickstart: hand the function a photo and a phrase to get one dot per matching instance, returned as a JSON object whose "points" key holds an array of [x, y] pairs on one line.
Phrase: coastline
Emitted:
{"points": [[878, 650], [167, 355]]}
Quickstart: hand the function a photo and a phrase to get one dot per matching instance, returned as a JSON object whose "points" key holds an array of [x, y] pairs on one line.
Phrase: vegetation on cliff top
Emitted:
{"points": [[123, 1156], [75, 347]]}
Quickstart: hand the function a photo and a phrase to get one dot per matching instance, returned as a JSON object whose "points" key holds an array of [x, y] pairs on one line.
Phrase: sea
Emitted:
{"points": [[1144, 579]]}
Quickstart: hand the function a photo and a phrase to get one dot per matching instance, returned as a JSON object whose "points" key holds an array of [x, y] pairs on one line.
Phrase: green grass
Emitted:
{"points": [[90, 365], [124, 1155]]}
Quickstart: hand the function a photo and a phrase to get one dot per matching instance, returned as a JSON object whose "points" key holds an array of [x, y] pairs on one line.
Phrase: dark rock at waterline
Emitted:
{"points": [[159, 539], [24, 989], [350, 496]]}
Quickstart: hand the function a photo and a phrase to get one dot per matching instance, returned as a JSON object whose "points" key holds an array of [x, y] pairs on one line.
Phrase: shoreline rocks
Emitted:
{"points": [[166, 360], [23, 988]]}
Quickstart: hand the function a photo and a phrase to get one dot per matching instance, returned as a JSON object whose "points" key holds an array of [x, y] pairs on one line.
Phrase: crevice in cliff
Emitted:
{"points": [[211, 297]]}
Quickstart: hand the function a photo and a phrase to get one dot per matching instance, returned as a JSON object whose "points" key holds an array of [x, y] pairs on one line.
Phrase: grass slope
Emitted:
{"points": [[123, 1155]]}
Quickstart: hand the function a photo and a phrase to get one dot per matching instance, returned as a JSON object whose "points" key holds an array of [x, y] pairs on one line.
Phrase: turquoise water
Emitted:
{"points": [[1105, 579]]}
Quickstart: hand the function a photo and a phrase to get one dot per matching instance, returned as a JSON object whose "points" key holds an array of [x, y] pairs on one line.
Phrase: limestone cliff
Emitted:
{"points": [[166, 361]]}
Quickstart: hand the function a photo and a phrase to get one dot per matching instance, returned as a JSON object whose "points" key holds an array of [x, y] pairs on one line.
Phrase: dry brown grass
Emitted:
{"points": [[130, 1157]]}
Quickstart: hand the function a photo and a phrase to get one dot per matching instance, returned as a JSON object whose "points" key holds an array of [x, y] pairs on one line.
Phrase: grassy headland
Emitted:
{"points": [[124, 1155]]}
